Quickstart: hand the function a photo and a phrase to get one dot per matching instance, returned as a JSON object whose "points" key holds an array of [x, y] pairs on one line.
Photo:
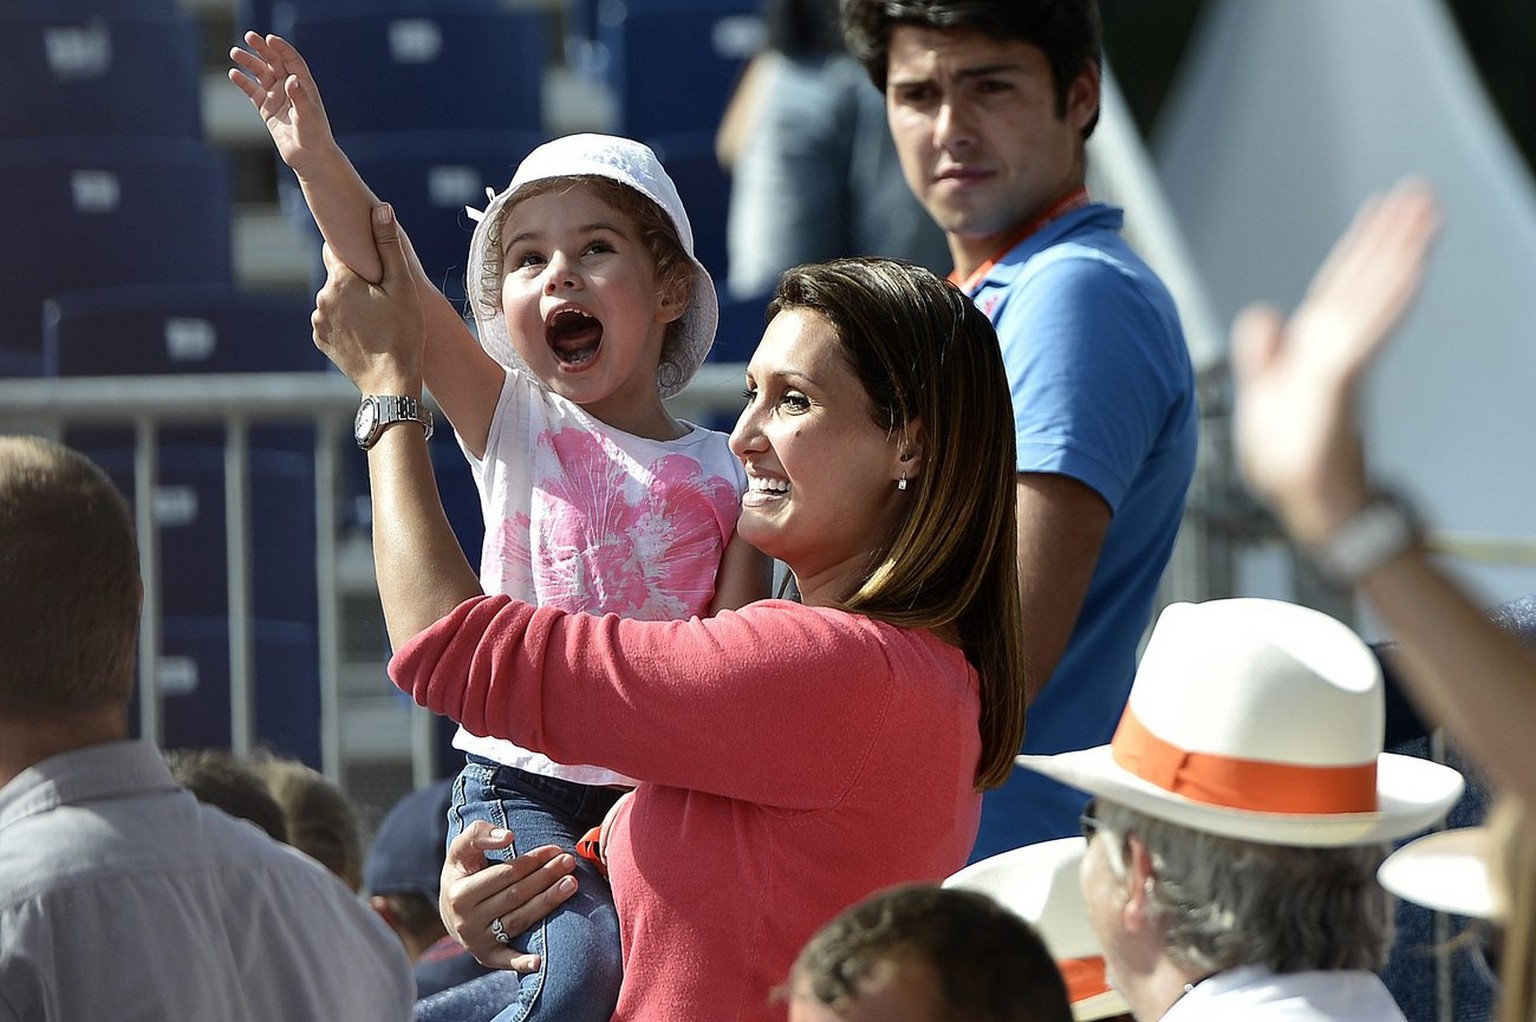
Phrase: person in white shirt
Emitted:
{"points": [[1239, 817], [121, 895]]}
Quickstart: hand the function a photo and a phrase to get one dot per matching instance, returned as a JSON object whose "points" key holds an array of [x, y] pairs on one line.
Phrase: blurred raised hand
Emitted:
{"points": [[1295, 422]]}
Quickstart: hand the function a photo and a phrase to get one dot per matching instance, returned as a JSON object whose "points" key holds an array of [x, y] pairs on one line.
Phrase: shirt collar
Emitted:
{"points": [[1093, 217], [100, 771]]}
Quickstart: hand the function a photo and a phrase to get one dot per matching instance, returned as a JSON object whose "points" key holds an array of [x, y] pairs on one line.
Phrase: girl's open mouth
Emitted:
{"points": [[573, 336]]}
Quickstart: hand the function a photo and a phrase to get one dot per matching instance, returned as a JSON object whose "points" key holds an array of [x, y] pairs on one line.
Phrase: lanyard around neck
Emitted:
{"points": [[1075, 199]]}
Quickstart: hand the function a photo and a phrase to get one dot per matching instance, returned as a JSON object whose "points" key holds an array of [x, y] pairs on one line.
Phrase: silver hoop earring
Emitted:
{"points": [[902, 485]]}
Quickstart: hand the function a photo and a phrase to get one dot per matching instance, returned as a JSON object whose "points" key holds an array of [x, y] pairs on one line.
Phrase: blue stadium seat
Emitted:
{"points": [[673, 64], [424, 65], [741, 327], [583, 53], [177, 328], [194, 686], [429, 177], [99, 212], [190, 508], [460, 497], [705, 189], [17, 364], [200, 328], [125, 72], [90, 8], [265, 15]]}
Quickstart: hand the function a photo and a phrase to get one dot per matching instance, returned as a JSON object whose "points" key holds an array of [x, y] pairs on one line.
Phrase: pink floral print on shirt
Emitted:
{"points": [[609, 535]]}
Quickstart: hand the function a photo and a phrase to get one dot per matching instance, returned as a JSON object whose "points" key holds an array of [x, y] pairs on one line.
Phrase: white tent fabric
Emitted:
{"points": [[1285, 117]]}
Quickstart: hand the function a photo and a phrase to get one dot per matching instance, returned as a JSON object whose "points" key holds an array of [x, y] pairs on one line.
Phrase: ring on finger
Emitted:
{"points": [[500, 932]]}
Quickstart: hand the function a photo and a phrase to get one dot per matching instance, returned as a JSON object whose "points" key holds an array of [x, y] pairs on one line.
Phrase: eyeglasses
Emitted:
{"points": [[1089, 820]]}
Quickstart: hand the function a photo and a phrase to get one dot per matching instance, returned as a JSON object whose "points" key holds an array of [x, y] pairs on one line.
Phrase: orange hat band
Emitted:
{"points": [[1237, 783], [1085, 978]]}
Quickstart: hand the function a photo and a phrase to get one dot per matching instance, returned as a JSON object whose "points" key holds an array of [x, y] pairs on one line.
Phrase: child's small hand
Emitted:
{"points": [[278, 83]]}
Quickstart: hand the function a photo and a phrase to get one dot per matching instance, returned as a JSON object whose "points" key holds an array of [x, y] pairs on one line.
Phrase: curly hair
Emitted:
{"points": [[1223, 902]]}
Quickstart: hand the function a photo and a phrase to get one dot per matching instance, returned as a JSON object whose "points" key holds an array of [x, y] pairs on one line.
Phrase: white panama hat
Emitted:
{"points": [[1446, 871], [630, 163], [1039, 882], [1259, 720]]}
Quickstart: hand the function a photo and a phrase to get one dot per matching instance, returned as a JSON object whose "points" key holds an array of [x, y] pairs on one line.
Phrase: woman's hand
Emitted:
{"points": [[519, 892], [1294, 424], [373, 332]]}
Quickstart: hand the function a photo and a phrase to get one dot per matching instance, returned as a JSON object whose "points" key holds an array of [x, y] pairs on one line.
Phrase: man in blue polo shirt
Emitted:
{"points": [[990, 106]]}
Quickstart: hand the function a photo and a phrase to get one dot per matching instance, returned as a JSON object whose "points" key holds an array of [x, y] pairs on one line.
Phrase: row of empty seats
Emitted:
{"points": [[433, 102], [117, 254], [117, 261]]}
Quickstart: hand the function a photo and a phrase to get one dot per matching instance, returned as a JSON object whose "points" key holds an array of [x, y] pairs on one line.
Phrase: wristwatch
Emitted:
{"points": [[1385, 527], [379, 411]]}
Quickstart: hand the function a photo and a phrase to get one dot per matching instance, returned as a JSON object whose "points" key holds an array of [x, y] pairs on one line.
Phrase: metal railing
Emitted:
{"points": [[325, 400]]}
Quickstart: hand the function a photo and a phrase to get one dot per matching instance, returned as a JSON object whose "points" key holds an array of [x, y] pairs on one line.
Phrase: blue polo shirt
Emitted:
{"points": [[1103, 391]]}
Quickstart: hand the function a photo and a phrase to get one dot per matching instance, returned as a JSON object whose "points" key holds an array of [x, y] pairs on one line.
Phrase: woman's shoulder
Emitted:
{"points": [[849, 627]]}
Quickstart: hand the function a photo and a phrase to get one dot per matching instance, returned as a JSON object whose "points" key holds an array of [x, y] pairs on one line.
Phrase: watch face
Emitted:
{"points": [[367, 420]]}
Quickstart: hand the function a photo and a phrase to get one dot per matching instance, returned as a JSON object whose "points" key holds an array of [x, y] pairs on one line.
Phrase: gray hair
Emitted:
{"points": [[1222, 902]]}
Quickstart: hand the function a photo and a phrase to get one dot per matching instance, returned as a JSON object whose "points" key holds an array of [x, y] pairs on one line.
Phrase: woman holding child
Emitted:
{"points": [[791, 758]]}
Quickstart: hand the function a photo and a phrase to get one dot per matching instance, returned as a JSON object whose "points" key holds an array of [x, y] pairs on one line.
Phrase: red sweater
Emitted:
{"points": [[793, 760]]}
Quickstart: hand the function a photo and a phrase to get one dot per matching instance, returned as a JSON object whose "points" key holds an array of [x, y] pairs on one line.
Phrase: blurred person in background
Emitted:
{"points": [[220, 778], [814, 175], [923, 953], [401, 876], [320, 819]]}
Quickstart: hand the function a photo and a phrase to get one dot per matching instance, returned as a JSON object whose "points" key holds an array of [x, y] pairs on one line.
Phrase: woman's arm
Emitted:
{"points": [[777, 703], [1297, 441], [373, 332]]}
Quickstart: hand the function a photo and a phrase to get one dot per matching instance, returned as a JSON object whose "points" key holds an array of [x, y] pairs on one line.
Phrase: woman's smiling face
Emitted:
{"points": [[821, 474]]}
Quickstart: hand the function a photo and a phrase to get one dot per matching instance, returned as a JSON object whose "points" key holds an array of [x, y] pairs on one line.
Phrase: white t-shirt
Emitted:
{"points": [[587, 518], [1255, 993]]}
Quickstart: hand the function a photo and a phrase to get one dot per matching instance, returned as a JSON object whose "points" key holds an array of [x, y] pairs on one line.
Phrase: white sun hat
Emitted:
{"points": [[1259, 720], [630, 163], [1039, 882], [1447, 872]]}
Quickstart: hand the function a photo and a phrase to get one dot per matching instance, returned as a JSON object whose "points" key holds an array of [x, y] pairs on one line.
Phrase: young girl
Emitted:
{"points": [[591, 309]]}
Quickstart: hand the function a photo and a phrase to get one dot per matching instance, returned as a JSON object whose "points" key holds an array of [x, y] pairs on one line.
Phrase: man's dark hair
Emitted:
{"points": [[989, 964], [1068, 32]]}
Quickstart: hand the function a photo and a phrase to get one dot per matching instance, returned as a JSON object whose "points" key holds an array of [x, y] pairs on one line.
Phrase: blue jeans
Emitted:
{"points": [[578, 943]]}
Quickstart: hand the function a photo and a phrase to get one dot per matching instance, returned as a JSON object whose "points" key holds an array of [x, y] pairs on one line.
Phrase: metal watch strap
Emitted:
{"points": [[1381, 530], [393, 408]]}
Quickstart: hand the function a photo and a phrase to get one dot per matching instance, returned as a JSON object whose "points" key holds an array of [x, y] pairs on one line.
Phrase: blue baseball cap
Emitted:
{"points": [[406, 856]]}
